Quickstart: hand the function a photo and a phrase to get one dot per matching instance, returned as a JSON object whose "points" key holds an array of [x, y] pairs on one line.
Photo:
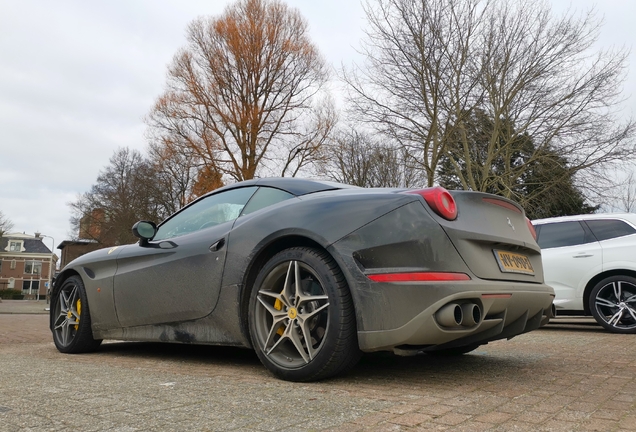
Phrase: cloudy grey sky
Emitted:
{"points": [[77, 78]]}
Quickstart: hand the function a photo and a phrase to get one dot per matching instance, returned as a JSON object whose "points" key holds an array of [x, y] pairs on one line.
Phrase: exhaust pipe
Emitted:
{"points": [[471, 313], [450, 315]]}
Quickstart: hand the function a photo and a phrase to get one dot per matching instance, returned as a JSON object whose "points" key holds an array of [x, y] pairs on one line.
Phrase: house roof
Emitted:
{"points": [[76, 242], [30, 244]]}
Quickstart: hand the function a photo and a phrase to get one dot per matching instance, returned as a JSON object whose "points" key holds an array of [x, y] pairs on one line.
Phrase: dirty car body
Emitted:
{"points": [[310, 274]]}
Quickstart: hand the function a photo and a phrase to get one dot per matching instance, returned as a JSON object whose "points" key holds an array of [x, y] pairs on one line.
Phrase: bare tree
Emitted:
{"points": [[243, 95], [180, 174], [419, 77], [628, 197], [126, 191], [356, 158], [432, 64], [5, 224], [308, 146], [541, 79]]}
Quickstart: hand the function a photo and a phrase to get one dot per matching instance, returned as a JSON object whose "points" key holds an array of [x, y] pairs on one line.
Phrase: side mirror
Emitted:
{"points": [[145, 231]]}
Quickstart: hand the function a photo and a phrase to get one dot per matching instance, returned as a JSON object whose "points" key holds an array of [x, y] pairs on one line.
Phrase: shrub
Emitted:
{"points": [[11, 294]]}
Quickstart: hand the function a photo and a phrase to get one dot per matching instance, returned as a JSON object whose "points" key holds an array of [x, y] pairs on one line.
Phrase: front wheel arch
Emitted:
{"points": [[70, 317], [59, 281]]}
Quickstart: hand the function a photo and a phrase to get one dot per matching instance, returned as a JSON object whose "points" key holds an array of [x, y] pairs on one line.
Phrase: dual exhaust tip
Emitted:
{"points": [[456, 315]]}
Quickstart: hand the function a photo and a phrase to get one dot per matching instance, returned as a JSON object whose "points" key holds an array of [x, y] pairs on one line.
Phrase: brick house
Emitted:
{"points": [[24, 264]]}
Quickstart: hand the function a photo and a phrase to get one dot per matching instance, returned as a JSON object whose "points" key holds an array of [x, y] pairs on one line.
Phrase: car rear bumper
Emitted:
{"points": [[505, 310]]}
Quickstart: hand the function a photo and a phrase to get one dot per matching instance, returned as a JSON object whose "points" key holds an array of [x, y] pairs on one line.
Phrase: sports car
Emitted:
{"points": [[310, 274]]}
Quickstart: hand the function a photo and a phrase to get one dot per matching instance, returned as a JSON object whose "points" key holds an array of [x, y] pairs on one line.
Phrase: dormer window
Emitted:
{"points": [[15, 246]]}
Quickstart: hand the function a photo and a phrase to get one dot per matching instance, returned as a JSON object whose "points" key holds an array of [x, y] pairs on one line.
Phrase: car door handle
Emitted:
{"points": [[217, 245], [583, 255]]}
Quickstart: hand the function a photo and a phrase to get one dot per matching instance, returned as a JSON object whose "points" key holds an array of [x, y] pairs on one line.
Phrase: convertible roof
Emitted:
{"points": [[293, 185]]}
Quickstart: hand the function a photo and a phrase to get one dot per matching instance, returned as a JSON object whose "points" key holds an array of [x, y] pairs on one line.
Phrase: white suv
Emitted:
{"points": [[590, 261]]}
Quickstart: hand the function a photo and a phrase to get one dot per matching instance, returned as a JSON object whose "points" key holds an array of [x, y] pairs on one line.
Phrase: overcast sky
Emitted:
{"points": [[77, 78]]}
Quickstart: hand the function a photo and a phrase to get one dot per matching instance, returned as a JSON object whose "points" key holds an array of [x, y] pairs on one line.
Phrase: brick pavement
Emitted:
{"points": [[24, 307], [24, 328], [562, 378]]}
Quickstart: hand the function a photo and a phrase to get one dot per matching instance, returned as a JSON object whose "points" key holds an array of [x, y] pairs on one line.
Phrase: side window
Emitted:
{"points": [[609, 229], [210, 211], [563, 234], [264, 197]]}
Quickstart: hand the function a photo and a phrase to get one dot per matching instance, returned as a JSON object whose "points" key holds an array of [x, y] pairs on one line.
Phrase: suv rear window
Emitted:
{"points": [[561, 234], [610, 228]]}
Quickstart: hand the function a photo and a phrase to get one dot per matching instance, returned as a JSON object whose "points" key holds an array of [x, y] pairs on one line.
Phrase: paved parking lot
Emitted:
{"points": [[566, 377]]}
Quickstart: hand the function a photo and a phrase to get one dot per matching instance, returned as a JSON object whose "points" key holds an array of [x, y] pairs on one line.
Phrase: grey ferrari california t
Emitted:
{"points": [[310, 274]]}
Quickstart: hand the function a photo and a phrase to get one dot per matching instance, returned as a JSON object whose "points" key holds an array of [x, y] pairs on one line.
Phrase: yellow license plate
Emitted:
{"points": [[510, 262]]}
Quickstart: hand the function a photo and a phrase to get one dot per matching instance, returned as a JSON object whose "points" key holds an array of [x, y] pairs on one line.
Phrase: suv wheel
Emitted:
{"points": [[613, 304]]}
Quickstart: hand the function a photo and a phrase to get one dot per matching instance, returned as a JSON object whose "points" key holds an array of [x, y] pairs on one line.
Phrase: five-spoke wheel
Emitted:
{"points": [[301, 316], [70, 318], [613, 304]]}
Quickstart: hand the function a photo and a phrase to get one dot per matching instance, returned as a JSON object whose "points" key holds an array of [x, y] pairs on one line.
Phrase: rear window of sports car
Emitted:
{"points": [[210, 211], [264, 197], [609, 229]]}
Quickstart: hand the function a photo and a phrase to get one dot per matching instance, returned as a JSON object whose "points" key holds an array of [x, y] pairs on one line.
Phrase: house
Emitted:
{"points": [[26, 264]]}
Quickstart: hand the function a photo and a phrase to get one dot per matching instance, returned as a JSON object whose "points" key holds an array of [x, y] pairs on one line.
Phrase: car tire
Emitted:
{"points": [[301, 295], [456, 351], [70, 318], [613, 304]]}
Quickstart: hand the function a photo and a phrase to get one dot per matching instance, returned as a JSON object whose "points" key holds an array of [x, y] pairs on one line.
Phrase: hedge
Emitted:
{"points": [[11, 294]]}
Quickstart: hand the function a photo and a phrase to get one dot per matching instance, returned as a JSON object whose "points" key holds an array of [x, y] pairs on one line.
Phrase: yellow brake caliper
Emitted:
{"points": [[278, 305], [79, 312]]}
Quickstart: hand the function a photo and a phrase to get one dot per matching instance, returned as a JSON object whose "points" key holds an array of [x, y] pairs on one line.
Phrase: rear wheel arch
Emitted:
{"points": [[261, 258], [596, 279], [316, 338]]}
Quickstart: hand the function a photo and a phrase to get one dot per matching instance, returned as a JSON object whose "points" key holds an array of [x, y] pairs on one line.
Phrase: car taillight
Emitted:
{"points": [[532, 230], [419, 277], [440, 200], [502, 203]]}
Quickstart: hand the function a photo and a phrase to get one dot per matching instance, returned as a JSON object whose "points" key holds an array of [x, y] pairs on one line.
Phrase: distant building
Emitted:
{"points": [[24, 264], [89, 238], [72, 249], [90, 226]]}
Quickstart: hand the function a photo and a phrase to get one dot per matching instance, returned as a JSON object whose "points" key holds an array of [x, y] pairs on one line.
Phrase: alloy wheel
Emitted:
{"points": [[67, 314], [615, 304], [291, 314]]}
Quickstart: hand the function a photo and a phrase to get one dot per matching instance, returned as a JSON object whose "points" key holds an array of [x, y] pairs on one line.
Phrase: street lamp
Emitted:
{"points": [[48, 289]]}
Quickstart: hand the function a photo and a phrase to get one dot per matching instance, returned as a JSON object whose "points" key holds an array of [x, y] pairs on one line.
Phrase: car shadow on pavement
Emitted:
{"points": [[569, 326], [437, 368], [380, 366], [180, 352]]}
